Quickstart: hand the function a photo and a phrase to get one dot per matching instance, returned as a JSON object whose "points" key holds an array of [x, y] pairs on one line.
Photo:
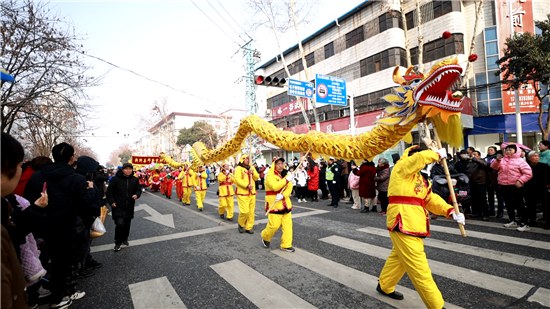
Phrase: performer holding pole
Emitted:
{"points": [[277, 203], [186, 177], [226, 191], [245, 177], [410, 199], [200, 186]]}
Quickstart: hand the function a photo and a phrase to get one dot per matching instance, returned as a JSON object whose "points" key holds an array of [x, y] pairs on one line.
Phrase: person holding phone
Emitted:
{"points": [[513, 173]]}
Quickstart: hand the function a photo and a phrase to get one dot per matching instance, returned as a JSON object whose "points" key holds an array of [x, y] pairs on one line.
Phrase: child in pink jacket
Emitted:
{"points": [[513, 173]]}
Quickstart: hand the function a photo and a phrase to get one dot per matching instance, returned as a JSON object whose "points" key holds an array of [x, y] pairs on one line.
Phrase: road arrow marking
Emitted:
{"points": [[155, 216]]}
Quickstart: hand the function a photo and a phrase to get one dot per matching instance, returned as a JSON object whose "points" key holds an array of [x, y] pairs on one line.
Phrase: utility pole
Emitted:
{"points": [[519, 131], [252, 56]]}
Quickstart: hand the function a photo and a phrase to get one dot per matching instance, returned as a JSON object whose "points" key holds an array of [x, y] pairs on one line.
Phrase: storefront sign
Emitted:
{"points": [[522, 18], [287, 109], [143, 160]]}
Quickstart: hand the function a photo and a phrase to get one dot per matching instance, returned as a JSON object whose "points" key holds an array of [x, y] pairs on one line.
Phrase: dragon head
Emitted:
{"points": [[430, 95]]}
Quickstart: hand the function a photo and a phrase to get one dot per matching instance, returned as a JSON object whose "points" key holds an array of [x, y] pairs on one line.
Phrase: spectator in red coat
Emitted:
{"points": [[313, 179], [367, 188], [33, 166]]}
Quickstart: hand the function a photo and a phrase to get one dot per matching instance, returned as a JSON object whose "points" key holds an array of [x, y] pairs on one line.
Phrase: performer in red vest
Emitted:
{"points": [[169, 181], [163, 182], [178, 182]]}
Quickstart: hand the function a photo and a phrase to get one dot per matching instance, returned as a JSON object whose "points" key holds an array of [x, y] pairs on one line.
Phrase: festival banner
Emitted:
{"points": [[145, 160], [523, 21], [287, 109]]}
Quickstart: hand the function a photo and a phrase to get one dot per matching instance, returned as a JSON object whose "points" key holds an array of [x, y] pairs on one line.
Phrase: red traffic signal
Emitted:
{"points": [[268, 81]]}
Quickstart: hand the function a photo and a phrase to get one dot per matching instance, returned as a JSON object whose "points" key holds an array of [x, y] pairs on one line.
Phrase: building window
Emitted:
{"points": [[383, 60], [329, 50], [439, 48], [489, 99], [296, 66], [278, 100], [430, 11], [355, 37], [385, 22], [410, 19], [310, 60]]}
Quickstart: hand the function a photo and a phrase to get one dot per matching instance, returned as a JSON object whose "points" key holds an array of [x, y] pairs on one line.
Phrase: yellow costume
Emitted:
{"points": [[246, 198], [187, 184], [410, 198], [280, 214], [200, 188], [225, 179]]}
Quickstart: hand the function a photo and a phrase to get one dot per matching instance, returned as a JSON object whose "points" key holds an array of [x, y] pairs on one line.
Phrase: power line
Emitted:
{"points": [[215, 23], [234, 20], [226, 22], [152, 80]]}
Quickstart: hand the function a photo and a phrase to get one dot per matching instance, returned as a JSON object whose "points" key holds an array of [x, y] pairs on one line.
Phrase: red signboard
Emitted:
{"points": [[522, 18], [290, 108], [143, 160]]}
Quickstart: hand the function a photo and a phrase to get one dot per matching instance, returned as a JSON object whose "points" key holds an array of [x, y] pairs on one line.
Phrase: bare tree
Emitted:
{"points": [[279, 17], [158, 121], [45, 56], [407, 43], [420, 38]]}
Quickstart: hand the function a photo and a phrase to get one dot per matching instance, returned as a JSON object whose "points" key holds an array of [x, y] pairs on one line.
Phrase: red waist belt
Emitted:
{"points": [[271, 193], [408, 200]]}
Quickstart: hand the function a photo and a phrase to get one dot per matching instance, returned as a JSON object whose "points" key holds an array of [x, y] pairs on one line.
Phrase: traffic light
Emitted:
{"points": [[269, 82]]}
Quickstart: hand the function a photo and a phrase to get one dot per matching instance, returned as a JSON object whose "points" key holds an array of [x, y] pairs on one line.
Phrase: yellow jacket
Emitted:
{"points": [[244, 178], [410, 196], [274, 183], [199, 180], [225, 179], [187, 178]]}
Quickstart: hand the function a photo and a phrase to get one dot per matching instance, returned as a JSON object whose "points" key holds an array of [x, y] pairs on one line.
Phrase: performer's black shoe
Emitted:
{"points": [[364, 210], [241, 229], [250, 231], [222, 216], [265, 243], [394, 295], [229, 219], [336, 206]]}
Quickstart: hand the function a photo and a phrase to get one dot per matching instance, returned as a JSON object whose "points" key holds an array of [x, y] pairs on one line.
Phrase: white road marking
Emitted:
{"points": [[353, 278], [155, 293], [155, 216], [482, 280], [257, 288], [500, 238], [475, 251]]}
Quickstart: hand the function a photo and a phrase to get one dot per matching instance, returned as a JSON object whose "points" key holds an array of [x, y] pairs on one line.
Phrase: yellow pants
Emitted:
{"points": [[227, 203], [247, 205], [408, 255], [274, 223], [187, 195], [200, 195]]}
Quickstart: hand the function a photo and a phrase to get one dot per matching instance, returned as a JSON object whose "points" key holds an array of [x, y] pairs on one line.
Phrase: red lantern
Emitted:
{"points": [[446, 35], [472, 58]]}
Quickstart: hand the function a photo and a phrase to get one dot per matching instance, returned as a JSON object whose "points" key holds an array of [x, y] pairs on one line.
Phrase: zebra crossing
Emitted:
{"points": [[264, 291]]}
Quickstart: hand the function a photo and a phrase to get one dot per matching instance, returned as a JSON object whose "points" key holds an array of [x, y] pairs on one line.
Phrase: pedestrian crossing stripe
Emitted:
{"points": [[257, 288], [352, 278], [471, 250], [501, 226], [155, 293], [482, 280], [493, 237]]}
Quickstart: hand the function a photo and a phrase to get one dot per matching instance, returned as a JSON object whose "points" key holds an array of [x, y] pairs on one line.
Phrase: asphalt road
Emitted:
{"points": [[204, 262]]}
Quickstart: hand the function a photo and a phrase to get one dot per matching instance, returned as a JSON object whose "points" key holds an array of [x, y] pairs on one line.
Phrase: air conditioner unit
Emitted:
{"points": [[268, 112]]}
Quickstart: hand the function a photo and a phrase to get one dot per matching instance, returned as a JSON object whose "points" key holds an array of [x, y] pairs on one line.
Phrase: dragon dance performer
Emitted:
{"points": [[226, 192], [200, 186], [163, 181], [155, 181], [410, 199], [245, 178], [169, 183], [178, 183], [280, 215], [186, 177]]}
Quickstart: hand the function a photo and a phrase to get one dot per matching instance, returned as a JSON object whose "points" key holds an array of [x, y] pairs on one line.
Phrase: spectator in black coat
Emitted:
{"points": [[68, 193], [536, 191], [122, 193], [100, 177]]}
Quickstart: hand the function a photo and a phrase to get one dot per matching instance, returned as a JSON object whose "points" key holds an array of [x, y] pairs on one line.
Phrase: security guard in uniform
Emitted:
{"points": [[333, 181]]}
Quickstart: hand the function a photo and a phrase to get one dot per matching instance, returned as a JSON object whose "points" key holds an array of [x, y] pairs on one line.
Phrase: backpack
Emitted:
{"points": [[353, 181]]}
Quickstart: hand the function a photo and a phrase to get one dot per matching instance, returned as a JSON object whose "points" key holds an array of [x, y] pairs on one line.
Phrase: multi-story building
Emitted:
{"points": [[162, 137], [364, 45]]}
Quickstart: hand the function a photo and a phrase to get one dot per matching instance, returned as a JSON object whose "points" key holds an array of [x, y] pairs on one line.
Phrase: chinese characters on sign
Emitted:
{"points": [[522, 20], [145, 160], [287, 109], [300, 89], [330, 90]]}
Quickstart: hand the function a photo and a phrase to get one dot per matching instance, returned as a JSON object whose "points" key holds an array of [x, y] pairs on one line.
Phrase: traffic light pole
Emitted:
{"points": [[251, 107]]}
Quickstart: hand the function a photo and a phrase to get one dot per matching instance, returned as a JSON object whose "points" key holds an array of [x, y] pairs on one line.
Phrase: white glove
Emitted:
{"points": [[290, 177], [459, 218], [279, 197], [198, 188], [442, 153]]}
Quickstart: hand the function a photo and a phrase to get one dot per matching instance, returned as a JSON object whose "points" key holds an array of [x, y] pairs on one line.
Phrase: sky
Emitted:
{"points": [[174, 43]]}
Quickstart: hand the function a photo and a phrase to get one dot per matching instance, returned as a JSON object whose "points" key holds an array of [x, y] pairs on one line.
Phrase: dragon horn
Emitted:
{"points": [[397, 78]]}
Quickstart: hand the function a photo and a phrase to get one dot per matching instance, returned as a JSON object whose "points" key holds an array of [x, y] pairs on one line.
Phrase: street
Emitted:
{"points": [[201, 261]]}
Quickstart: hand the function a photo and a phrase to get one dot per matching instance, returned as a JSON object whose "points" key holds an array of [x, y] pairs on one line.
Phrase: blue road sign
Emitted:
{"points": [[330, 90], [300, 89]]}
